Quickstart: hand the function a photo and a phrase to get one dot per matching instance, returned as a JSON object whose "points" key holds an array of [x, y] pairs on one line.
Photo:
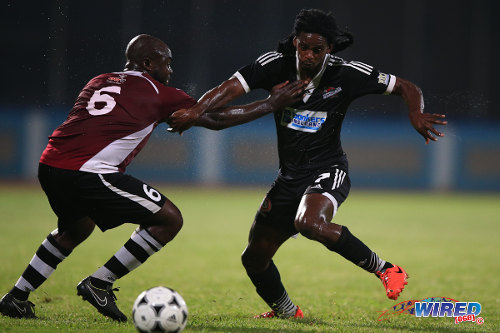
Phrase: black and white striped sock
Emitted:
{"points": [[372, 265], [135, 252], [284, 306], [41, 266]]}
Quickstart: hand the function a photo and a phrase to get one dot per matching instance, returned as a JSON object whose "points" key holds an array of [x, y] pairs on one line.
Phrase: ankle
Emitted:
{"points": [[101, 284], [19, 294], [386, 266]]}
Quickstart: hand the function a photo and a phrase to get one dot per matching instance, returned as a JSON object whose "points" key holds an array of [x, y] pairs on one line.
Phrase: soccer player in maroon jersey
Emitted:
{"points": [[313, 179], [82, 172]]}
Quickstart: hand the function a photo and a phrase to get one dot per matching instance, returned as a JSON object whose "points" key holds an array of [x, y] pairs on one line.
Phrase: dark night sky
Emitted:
{"points": [[50, 49]]}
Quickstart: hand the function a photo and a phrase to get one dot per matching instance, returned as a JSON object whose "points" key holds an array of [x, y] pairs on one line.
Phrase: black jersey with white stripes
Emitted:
{"points": [[309, 131]]}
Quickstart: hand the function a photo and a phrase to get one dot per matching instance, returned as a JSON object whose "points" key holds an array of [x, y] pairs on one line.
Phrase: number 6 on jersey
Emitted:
{"points": [[99, 97]]}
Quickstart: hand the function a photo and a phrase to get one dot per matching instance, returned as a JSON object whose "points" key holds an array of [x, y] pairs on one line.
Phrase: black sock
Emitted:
{"points": [[354, 250], [272, 291], [268, 284]]}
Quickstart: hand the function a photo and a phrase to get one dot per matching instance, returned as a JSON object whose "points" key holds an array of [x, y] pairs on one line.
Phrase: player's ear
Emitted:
{"points": [[329, 48], [295, 41], [146, 63]]}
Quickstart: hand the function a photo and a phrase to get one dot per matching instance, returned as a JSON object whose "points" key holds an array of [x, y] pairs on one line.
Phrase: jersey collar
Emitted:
{"points": [[315, 81]]}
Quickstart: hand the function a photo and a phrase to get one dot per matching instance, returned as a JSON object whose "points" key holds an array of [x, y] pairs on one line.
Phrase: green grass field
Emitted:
{"points": [[448, 244]]}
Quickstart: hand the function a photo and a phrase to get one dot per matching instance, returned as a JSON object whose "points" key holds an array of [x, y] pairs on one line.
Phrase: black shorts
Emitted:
{"points": [[108, 199], [279, 207]]}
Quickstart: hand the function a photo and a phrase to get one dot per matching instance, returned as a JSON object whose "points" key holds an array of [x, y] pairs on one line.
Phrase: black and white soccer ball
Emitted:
{"points": [[160, 309]]}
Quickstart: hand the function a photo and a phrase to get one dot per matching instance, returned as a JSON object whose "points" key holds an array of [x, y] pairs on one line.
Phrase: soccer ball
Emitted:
{"points": [[160, 309]]}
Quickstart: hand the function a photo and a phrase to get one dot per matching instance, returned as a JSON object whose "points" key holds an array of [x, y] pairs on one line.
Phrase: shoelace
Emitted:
{"points": [[110, 291]]}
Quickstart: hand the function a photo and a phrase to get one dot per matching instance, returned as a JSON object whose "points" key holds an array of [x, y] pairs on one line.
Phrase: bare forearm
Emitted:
{"points": [[225, 117], [282, 95], [421, 121], [182, 120], [219, 96], [411, 94]]}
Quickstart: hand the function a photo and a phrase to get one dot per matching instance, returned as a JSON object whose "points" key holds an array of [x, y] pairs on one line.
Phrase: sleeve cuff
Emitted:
{"points": [[242, 81], [390, 86]]}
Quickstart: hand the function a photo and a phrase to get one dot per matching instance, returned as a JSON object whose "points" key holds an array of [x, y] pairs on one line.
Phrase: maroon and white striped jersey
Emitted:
{"points": [[111, 121]]}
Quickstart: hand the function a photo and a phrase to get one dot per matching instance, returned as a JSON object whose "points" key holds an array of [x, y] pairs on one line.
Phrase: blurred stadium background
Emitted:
{"points": [[50, 49]]}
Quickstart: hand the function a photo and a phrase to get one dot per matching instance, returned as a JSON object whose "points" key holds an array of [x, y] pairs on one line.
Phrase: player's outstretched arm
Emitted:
{"points": [[282, 95], [421, 121], [217, 97]]}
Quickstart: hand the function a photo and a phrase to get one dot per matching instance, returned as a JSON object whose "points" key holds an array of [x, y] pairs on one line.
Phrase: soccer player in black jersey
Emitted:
{"points": [[313, 179]]}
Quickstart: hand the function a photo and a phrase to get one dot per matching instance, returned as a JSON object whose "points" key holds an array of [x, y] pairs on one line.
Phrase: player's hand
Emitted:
{"points": [[285, 94], [424, 124], [181, 120]]}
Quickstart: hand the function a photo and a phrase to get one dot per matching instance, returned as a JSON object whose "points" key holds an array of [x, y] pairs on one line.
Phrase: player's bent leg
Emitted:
{"points": [[263, 243], [313, 220], [74, 233], [165, 224], [53, 250], [152, 234]]}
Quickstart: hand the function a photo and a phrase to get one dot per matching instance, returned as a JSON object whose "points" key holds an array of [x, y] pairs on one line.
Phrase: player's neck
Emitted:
{"points": [[308, 75]]}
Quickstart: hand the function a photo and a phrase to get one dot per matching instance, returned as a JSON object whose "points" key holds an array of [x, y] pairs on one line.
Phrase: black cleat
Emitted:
{"points": [[102, 299], [9, 306]]}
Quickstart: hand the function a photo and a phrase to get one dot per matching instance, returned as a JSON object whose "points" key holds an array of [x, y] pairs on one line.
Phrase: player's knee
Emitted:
{"points": [[75, 233], [308, 227], [174, 219], [311, 227], [171, 216], [166, 223], [251, 262], [246, 260]]}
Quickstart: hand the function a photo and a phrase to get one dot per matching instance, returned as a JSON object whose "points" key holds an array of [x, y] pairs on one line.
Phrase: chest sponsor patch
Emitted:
{"points": [[330, 92], [303, 120]]}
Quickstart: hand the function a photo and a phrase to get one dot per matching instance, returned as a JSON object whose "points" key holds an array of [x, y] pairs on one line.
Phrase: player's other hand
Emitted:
{"points": [[285, 94], [181, 120], [424, 124]]}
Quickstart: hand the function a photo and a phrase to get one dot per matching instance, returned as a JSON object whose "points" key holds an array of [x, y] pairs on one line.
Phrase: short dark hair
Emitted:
{"points": [[319, 22]]}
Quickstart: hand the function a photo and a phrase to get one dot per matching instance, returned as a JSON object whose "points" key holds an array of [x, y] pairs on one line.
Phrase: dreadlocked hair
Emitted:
{"points": [[318, 22]]}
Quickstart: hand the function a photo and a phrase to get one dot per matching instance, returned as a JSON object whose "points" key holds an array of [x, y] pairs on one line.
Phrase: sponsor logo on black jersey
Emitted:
{"points": [[303, 120], [331, 92]]}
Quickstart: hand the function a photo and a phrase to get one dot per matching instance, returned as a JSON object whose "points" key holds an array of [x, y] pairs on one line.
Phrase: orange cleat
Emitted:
{"points": [[394, 281], [273, 314]]}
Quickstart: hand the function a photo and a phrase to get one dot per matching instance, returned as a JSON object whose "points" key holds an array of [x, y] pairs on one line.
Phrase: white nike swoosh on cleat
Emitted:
{"points": [[21, 311], [101, 302]]}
